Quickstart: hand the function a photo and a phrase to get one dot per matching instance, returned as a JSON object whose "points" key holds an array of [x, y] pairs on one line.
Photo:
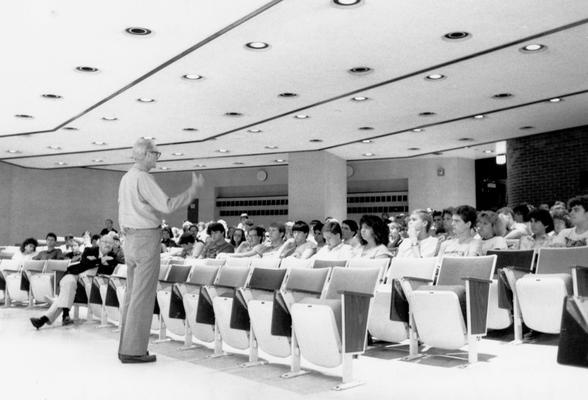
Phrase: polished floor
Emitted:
{"points": [[79, 362]]}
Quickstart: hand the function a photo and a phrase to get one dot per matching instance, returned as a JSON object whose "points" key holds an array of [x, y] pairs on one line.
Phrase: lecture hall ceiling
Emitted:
{"points": [[379, 79]]}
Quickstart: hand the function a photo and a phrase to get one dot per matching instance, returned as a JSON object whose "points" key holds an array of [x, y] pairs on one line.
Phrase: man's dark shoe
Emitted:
{"points": [[126, 359], [67, 321], [37, 322]]}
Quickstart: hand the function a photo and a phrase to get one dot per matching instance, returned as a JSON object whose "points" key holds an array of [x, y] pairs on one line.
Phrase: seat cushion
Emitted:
{"points": [[333, 304], [459, 290]]}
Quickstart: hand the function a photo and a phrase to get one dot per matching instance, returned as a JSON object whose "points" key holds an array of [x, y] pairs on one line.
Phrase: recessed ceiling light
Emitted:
{"points": [[145, 100], [488, 151], [25, 116], [368, 154], [479, 116], [190, 129], [533, 48], [61, 163], [148, 137], [502, 95], [97, 160], [271, 147], [427, 114], [367, 141], [346, 3], [11, 151], [199, 166], [257, 45], [177, 154], [109, 118], [135, 30], [238, 163], [192, 77], [254, 130], [526, 127], [465, 139], [360, 98], [458, 35], [435, 77], [233, 114], [279, 160], [51, 96], [418, 130], [301, 116], [288, 94], [365, 128], [414, 148], [54, 147], [555, 100], [98, 143], [359, 70], [222, 151], [163, 168], [84, 68], [315, 140], [70, 128]]}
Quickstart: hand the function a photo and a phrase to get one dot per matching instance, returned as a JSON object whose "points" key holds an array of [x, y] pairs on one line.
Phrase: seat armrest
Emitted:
{"points": [[356, 307], [357, 294], [414, 281], [580, 280], [477, 293]]}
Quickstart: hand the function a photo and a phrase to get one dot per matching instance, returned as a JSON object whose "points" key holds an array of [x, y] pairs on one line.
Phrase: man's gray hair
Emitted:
{"points": [[141, 147]]}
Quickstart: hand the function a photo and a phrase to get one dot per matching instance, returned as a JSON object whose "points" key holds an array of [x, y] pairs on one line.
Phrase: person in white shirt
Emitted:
{"points": [[350, 231], [253, 242], [464, 244], [419, 242], [334, 248], [299, 246], [487, 230], [28, 250], [514, 230], [373, 238], [578, 235]]}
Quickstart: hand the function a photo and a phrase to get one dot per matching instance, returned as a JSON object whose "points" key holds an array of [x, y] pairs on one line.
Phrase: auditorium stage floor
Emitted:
{"points": [[79, 362]]}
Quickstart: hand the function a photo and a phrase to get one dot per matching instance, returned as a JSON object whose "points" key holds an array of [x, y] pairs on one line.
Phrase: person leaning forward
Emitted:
{"points": [[140, 199]]}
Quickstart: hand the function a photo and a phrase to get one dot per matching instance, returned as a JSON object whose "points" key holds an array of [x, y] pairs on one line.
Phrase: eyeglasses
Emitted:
{"points": [[157, 154]]}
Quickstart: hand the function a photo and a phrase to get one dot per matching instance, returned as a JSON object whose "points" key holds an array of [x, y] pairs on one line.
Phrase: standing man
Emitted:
{"points": [[140, 199]]}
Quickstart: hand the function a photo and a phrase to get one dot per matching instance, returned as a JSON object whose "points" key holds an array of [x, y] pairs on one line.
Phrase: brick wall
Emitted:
{"points": [[547, 167]]}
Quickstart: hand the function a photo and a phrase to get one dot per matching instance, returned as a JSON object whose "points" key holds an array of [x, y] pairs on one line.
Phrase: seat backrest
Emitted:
{"points": [[178, 273], [9, 265], [558, 260], [234, 277], [120, 271], [328, 263], [163, 271], [292, 262], [359, 262], [453, 269], [412, 267], [237, 261], [358, 280], [203, 275], [268, 262], [267, 278], [34, 265], [57, 265], [306, 280], [513, 258], [5, 255], [214, 261]]}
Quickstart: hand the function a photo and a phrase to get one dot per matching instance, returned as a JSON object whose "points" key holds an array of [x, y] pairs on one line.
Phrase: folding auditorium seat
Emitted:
{"points": [[573, 340], [332, 331], [46, 284], [271, 319], [316, 263], [10, 271], [381, 325], [541, 295], [172, 326], [114, 297], [503, 304], [382, 263], [451, 315], [267, 262], [237, 261], [221, 296], [29, 269], [291, 262]]}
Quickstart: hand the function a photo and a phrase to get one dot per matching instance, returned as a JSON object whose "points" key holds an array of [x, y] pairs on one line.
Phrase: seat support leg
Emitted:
{"points": [[218, 344], [253, 353], [348, 380], [295, 362]]}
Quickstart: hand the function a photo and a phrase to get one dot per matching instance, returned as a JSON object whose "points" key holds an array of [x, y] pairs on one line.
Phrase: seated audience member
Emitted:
{"points": [[94, 240], [463, 244], [166, 239], [514, 230], [334, 248], [201, 235], [190, 247], [299, 246], [237, 237], [100, 258], [578, 235], [217, 243], [350, 229], [289, 234], [28, 250], [521, 213], [66, 247], [117, 249], [75, 253], [561, 221], [243, 219], [437, 228], [487, 230], [419, 242], [109, 227], [312, 224], [558, 206], [541, 226], [87, 238], [52, 252], [252, 246], [394, 236], [373, 238], [447, 215], [317, 234]]}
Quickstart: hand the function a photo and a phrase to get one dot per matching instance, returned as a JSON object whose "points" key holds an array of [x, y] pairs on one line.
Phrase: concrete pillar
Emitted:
{"points": [[317, 186]]}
